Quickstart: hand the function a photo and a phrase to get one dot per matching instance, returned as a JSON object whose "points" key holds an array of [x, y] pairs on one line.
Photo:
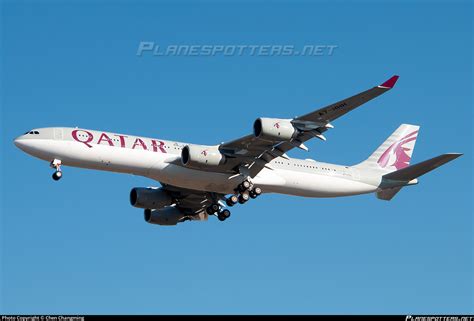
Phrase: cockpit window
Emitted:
{"points": [[36, 132], [32, 132]]}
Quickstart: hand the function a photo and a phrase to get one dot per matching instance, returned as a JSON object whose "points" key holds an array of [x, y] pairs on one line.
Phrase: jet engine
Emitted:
{"points": [[165, 216], [198, 156], [154, 198], [274, 129]]}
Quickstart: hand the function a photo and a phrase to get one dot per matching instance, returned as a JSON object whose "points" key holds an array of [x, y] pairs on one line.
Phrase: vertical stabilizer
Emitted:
{"points": [[395, 153]]}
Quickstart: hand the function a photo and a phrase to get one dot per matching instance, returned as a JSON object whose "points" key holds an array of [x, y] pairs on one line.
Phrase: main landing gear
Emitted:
{"points": [[247, 190], [56, 164], [243, 193]]}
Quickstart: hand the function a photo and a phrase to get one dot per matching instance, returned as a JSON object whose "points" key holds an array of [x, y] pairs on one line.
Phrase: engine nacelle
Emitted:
{"points": [[153, 198], [166, 216], [198, 156], [274, 129]]}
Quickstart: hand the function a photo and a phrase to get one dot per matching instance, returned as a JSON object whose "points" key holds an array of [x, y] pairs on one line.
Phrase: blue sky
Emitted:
{"points": [[77, 246]]}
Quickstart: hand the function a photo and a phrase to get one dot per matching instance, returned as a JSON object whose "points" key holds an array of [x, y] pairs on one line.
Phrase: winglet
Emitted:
{"points": [[390, 83]]}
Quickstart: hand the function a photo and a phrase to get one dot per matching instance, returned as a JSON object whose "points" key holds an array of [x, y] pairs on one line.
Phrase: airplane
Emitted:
{"points": [[200, 180]]}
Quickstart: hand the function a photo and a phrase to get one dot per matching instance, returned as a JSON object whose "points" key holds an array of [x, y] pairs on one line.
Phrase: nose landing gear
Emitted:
{"points": [[57, 176], [56, 164]]}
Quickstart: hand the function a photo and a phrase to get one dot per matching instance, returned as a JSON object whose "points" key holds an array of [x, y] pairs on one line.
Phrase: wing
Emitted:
{"points": [[253, 154], [193, 203]]}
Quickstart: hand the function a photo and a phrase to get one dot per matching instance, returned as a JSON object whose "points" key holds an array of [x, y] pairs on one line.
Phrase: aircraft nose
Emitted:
{"points": [[20, 142]]}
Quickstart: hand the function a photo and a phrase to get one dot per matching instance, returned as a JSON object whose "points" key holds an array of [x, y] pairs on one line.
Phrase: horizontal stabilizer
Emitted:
{"points": [[407, 176], [389, 193], [414, 171]]}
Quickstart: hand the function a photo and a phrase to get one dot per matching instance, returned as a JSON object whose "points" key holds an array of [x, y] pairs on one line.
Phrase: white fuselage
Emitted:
{"points": [[160, 160]]}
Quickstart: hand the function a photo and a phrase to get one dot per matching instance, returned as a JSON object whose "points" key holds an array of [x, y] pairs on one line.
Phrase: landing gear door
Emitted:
{"points": [[58, 134]]}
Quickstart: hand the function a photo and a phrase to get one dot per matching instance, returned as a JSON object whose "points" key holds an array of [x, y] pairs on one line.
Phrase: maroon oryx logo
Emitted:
{"points": [[398, 152], [204, 152], [277, 125]]}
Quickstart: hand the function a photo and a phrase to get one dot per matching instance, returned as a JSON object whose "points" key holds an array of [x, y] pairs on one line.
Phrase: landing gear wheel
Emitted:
{"points": [[245, 185], [231, 201], [223, 215], [244, 197], [57, 176], [254, 193], [257, 191], [213, 208]]}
